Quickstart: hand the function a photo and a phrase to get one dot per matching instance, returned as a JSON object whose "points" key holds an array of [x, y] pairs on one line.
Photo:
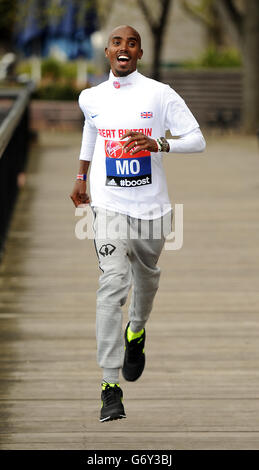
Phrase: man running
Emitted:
{"points": [[126, 118]]}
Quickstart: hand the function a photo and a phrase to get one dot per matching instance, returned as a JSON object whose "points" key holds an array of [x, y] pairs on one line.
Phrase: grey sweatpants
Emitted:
{"points": [[128, 255]]}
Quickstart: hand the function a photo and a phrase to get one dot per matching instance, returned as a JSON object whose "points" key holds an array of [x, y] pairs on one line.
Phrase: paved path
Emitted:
{"points": [[200, 389]]}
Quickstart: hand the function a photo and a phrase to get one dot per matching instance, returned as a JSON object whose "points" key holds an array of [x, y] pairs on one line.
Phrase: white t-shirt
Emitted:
{"points": [[133, 185]]}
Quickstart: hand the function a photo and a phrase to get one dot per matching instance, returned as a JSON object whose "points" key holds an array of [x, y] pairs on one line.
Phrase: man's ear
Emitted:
{"points": [[106, 52], [140, 53]]}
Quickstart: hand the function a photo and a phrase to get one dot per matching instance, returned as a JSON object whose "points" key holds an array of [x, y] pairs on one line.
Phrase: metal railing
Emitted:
{"points": [[14, 139]]}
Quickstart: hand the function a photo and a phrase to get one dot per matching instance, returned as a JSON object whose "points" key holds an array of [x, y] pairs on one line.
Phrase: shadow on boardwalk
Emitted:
{"points": [[200, 386]]}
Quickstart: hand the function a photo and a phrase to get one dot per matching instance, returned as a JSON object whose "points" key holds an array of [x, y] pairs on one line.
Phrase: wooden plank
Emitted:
{"points": [[153, 415], [208, 384], [183, 302], [135, 441], [181, 324], [174, 349]]}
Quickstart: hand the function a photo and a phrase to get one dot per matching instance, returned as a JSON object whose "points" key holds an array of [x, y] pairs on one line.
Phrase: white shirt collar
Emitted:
{"points": [[117, 82]]}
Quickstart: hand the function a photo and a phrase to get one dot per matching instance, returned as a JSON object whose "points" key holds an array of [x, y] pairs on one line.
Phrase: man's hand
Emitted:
{"points": [[79, 195], [140, 141]]}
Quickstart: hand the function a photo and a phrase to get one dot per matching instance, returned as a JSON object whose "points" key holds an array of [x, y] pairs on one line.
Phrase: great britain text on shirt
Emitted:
{"points": [[111, 133]]}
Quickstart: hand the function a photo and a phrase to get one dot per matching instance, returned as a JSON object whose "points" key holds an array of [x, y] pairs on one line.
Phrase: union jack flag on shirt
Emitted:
{"points": [[147, 114]]}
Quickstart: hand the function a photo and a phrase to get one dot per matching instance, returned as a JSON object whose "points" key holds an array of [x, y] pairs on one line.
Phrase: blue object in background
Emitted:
{"points": [[65, 24], [70, 47], [30, 28]]}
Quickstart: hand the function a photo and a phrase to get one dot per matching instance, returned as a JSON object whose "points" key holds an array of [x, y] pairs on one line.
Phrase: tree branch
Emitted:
{"points": [[164, 13], [151, 23], [161, 22], [197, 14], [232, 13]]}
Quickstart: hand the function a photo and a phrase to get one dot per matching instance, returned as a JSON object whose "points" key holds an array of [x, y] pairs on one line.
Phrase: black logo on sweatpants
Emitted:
{"points": [[106, 250]]}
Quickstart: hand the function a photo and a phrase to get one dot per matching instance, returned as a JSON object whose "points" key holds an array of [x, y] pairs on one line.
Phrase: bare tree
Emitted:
{"points": [[157, 27], [240, 20], [245, 28]]}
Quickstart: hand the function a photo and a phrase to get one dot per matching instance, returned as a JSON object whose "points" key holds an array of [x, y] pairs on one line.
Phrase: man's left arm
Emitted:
{"points": [[191, 142], [182, 124]]}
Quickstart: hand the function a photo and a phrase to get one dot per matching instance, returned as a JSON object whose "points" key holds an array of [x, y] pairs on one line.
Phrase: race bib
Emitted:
{"points": [[125, 170]]}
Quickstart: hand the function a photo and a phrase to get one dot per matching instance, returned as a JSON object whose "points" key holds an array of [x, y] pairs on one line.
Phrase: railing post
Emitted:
{"points": [[14, 139]]}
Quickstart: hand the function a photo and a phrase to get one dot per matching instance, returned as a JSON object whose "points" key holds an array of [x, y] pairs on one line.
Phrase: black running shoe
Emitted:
{"points": [[112, 407], [134, 359]]}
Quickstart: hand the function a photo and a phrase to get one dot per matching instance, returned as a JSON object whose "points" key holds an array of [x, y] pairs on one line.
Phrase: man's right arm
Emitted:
{"points": [[79, 194]]}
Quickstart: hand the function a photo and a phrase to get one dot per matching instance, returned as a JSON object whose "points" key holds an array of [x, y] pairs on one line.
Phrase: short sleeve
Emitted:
{"points": [[178, 117]]}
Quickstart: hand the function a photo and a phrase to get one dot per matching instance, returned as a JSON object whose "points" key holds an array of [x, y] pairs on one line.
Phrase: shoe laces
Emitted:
{"points": [[110, 394]]}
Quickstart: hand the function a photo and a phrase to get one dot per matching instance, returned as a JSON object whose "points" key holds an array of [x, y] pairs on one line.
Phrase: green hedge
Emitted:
{"points": [[56, 92], [58, 79], [216, 58]]}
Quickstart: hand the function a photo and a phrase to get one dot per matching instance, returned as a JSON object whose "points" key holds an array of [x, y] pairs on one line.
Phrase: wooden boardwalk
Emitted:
{"points": [[200, 388]]}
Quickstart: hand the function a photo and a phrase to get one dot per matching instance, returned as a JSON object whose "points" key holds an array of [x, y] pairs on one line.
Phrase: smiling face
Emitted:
{"points": [[123, 50]]}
